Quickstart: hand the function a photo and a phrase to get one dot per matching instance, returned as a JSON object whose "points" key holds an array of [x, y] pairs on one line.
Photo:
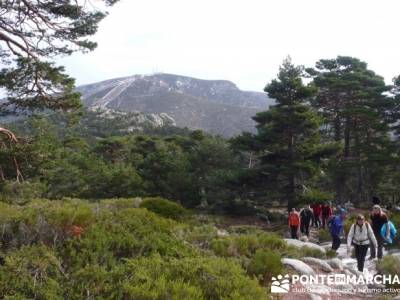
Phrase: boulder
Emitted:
{"points": [[348, 273], [318, 262], [354, 271], [222, 232], [335, 263], [304, 238], [298, 265], [345, 288], [320, 289], [314, 297], [300, 244], [377, 286]]}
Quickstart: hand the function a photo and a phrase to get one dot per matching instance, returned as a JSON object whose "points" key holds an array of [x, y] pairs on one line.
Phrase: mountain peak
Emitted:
{"points": [[216, 106]]}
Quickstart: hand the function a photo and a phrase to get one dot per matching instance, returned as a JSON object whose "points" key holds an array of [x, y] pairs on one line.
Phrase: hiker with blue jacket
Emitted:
{"points": [[336, 225]]}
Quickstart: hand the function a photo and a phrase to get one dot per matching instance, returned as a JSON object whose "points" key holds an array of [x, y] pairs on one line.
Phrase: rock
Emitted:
{"points": [[314, 297], [318, 262], [394, 252], [345, 288], [327, 247], [319, 289], [299, 266], [377, 286], [335, 263], [348, 273], [304, 238], [300, 244], [354, 271], [222, 232]]}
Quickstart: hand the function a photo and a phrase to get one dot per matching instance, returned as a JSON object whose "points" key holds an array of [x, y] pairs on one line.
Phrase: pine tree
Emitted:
{"points": [[287, 141], [358, 114], [32, 34]]}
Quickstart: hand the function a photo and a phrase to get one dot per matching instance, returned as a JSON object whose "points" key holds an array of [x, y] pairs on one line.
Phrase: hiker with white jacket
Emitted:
{"points": [[360, 235]]}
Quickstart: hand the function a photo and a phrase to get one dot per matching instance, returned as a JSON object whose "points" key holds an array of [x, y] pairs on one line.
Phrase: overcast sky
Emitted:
{"points": [[239, 40]]}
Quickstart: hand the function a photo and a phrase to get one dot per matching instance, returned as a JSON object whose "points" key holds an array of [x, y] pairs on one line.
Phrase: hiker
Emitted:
{"points": [[336, 228], [316, 207], [360, 235], [378, 219], [306, 218], [294, 223], [326, 213]]}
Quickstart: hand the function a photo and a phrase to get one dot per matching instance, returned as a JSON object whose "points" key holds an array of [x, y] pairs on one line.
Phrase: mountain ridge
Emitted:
{"points": [[216, 106]]}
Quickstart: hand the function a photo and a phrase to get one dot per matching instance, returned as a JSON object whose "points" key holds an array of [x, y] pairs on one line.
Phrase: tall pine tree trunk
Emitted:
{"points": [[10, 141], [339, 177], [357, 153], [291, 183]]}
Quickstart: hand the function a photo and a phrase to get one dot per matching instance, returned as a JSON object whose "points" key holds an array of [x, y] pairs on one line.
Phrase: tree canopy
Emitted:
{"points": [[32, 34]]}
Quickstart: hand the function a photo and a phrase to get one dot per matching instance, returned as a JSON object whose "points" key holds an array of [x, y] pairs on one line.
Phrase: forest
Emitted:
{"points": [[335, 138]]}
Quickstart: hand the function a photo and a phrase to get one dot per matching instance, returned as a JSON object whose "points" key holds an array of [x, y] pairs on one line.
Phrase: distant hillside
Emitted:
{"points": [[216, 106], [98, 122]]}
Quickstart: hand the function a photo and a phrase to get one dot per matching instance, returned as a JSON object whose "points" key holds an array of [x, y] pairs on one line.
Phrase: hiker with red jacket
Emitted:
{"points": [[326, 213], [294, 223], [316, 207]]}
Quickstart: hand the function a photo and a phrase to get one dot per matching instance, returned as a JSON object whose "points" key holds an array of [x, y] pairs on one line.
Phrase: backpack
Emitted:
{"points": [[306, 214], [294, 218], [326, 211], [393, 232], [354, 231]]}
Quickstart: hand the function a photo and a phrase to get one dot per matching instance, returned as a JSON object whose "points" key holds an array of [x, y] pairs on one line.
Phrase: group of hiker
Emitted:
{"points": [[316, 215], [362, 234]]}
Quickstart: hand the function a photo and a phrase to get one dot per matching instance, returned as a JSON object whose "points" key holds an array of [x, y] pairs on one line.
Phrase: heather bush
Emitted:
{"points": [[265, 264], [164, 208]]}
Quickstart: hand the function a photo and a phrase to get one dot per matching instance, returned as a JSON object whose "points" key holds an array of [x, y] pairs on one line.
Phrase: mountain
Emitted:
{"points": [[97, 123], [215, 106], [128, 121]]}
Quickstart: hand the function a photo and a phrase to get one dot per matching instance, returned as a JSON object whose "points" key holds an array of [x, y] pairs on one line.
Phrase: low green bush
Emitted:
{"points": [[265, 264], [324, 235], [124, 252], [244, 229], [246, 245], [20, 193], [32, 272], [189, 278], [118, 203], [389, 265], [165, 208], [126, 234]]}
